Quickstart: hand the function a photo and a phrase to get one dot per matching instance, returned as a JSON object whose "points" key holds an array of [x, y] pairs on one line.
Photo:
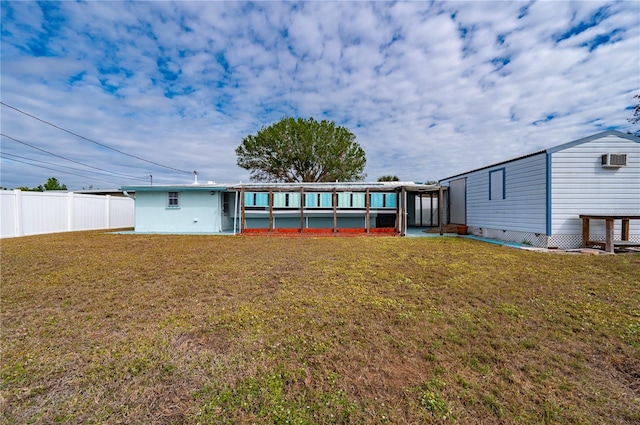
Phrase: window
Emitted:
{"points": [[496, 184], [383, 200], [173, 199], [256, 199]]}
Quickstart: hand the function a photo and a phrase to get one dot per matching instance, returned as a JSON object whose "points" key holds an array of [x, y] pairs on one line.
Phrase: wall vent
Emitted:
{"points": [[614, 160]]}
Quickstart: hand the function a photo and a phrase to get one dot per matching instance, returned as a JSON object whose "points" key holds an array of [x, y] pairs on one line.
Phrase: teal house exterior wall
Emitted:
{"points": [[217, 208], [196, 212]]}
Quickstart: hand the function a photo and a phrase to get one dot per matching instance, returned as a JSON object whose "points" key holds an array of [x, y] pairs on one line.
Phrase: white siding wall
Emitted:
{"points": [[582, 186], [458, 195], [32, 213], [524, 206]]}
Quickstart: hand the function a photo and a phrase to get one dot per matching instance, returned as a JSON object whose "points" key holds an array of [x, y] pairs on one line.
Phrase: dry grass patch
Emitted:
{"points": [[206, 329]]}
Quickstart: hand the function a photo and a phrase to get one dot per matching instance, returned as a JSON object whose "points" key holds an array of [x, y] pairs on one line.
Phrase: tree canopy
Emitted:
{"points": [[388, 179], [302, 150], [51, 184]]}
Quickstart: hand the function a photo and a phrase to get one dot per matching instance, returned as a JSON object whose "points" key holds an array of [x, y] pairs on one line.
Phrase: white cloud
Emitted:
{"points": [[429, 89]]}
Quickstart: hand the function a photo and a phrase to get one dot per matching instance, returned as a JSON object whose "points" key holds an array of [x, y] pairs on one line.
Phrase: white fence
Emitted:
{"points": [[34, 213]]}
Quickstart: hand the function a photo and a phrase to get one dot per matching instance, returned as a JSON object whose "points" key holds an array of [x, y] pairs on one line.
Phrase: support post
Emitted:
{"points": [[403, 208], [585, 232], [398, 201], [334, 200], [440, 207], [625, 229], [431, 209], [421, 225], [367, 217], [235, 213], [609, 235], [270, 210], [301, 210], [242, 223]]}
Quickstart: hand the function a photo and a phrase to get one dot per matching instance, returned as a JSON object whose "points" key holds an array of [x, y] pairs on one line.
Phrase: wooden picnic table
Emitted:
{"points": [[609, 244]]}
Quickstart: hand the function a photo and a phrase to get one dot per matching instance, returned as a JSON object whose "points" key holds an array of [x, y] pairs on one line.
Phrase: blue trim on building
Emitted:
{"points": [[465, 201], [548, 193]]}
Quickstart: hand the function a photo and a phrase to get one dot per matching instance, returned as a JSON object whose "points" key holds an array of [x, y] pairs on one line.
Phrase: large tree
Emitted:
{"points": [[302, 150], [51, 184]]}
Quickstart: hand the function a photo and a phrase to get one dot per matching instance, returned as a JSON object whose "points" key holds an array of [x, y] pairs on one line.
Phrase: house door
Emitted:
{"points": [[457, 201], [227, 210]]}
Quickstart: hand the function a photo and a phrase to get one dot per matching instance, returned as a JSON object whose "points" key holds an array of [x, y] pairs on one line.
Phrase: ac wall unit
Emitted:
{"points": [[614, 160]]}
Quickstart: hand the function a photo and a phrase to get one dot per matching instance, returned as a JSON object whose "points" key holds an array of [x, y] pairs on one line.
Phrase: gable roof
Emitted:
{"points": [[555, 149], [594, 137]]}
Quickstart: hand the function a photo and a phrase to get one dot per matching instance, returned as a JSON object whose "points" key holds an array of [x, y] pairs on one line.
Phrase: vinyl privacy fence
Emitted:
{"points": [[33, 213]]}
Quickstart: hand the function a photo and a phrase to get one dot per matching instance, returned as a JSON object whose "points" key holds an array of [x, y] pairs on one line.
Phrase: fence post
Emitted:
{"points": [[18, 212], [108, 212], [70, 223]]}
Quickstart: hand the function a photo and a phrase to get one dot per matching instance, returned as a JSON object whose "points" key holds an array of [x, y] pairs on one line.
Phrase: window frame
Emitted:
{"points": [[173, 200]]}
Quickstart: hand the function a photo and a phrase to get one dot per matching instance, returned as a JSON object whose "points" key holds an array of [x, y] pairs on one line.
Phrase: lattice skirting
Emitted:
{"points": [[575, 241], [540, 240]]}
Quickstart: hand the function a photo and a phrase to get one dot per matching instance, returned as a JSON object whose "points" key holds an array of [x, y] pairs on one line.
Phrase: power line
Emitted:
{"points": [[71, 160], [60, 171], [92, 141], [12, 156]]}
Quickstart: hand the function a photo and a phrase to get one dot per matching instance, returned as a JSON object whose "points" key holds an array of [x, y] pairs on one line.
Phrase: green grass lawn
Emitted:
{"points": [[105, 328]]}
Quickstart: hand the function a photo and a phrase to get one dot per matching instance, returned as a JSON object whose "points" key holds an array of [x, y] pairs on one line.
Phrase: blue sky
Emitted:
{"points": [[430, 89]]}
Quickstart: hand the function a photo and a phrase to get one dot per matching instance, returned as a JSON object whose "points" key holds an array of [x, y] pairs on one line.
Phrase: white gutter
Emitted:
{"points": [[235, 212], [405, 213]]}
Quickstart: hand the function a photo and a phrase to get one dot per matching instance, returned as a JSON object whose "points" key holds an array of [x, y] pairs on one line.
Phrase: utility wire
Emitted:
{"points": [[11, 156], [92, 141], [65, 172], [60, 156]]}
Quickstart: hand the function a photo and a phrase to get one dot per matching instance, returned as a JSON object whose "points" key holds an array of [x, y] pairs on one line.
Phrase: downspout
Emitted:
{"points": [[235, 212], [549, 198], [243, 224], [440, 207], [125, 193], [404, 211], [367, 201]]}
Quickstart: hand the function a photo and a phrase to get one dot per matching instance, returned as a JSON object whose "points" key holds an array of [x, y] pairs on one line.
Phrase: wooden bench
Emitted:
{"points": [[609, 244]]}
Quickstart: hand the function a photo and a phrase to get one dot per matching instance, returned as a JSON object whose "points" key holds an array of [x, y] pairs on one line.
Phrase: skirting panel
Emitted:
{"points": [[575, 241], [540, 240], [567, 241]]}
